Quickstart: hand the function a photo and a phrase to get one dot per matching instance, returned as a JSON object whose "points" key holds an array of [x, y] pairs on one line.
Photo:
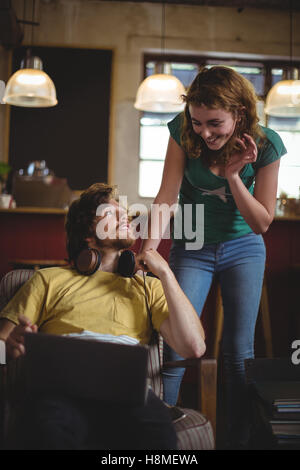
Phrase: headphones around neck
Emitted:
{"points": [[89, 260]]}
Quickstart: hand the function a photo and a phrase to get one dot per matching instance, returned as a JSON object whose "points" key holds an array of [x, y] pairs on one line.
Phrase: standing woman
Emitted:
{"points": [[220, 157]]}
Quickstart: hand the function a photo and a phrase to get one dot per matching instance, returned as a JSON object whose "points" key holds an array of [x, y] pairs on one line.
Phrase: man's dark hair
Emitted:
{"points": [[80, 221]]}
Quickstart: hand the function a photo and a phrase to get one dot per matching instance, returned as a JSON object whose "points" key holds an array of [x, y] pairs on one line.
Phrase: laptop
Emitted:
{"points": [[113, 373]]}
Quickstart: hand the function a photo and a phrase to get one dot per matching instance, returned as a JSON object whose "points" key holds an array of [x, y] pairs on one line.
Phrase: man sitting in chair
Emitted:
{"points": [[63, 301]]}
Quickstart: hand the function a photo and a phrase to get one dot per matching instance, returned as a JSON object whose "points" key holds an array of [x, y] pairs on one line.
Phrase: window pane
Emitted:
{"points": [[260, 109], [150, 178], [289, 181], [153, 142], [156, 119], [150, 67], [289, 172], [276, 75], [255, 74], [284, 124], [185, 73]]}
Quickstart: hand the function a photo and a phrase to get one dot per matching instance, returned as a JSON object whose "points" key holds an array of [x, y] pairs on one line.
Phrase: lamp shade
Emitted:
{"points": [[160, 93], [30, 88], [283, 99]]}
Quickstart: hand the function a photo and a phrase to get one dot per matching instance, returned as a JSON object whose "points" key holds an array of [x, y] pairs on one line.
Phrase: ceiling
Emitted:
{"points": [[239, 4]]}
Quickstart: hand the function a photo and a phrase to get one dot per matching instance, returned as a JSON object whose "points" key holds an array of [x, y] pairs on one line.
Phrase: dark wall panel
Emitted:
{"points": [[73, 136]]}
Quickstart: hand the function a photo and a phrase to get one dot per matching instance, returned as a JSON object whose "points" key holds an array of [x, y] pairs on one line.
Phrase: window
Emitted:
{"points": [[154, 133], [253, 72], [154, 137], [289, 173]]}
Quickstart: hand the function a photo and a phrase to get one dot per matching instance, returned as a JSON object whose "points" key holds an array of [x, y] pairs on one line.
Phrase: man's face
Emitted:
{"points": [[112, 226]]}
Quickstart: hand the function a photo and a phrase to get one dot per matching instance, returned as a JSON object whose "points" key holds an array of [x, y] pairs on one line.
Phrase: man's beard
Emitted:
{"points": [[116, 243]]}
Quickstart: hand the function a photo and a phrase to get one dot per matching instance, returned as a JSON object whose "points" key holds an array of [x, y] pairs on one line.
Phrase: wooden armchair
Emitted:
{"points": [[196, 431]]}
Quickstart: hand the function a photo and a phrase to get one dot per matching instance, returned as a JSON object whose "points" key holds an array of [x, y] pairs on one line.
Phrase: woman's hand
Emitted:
{"points": [[15, 341], [237, 161]]}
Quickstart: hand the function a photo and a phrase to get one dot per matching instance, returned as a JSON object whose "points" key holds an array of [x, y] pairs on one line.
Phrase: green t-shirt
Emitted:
{"points": [[222, 220]]}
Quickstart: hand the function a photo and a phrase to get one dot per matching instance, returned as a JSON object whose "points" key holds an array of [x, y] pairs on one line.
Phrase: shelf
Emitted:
{"points": [[34, 210]]}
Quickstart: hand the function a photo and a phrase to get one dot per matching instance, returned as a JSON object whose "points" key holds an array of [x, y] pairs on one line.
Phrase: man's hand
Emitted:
{"points": [[182, 330], [15, 341], [151, 260]]}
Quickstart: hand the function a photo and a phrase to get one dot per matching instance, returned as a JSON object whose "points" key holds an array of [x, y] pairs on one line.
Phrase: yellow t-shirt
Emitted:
{"points": [[61, 301]]}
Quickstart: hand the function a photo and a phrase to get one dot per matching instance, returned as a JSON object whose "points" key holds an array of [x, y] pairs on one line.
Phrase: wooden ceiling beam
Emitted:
{"points": [[239, 4]]}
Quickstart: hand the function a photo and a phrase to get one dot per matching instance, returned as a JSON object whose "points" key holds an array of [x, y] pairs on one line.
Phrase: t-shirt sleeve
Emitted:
{"points": [[272, 149], [29, 301], [158, 304], [175, 128]]}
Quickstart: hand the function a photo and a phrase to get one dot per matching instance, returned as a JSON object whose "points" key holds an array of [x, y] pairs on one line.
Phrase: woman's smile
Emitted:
{"points": [[215, 126]]}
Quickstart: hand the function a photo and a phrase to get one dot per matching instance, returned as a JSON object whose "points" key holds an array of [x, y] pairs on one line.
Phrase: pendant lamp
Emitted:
{"points": [[30, 86], [161, 92], [283, 99]]}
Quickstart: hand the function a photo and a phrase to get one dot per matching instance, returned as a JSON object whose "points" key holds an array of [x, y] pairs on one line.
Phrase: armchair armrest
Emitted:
{"points": [[206, 372]]}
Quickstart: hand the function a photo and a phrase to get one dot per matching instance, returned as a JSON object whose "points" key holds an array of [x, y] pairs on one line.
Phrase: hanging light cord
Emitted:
{"points": [[24, 13], [33, 12], [291, 33], [163, 28]]}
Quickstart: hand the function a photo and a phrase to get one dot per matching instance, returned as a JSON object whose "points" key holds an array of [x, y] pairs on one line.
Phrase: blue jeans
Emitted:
{"points": [[239, 265]]}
